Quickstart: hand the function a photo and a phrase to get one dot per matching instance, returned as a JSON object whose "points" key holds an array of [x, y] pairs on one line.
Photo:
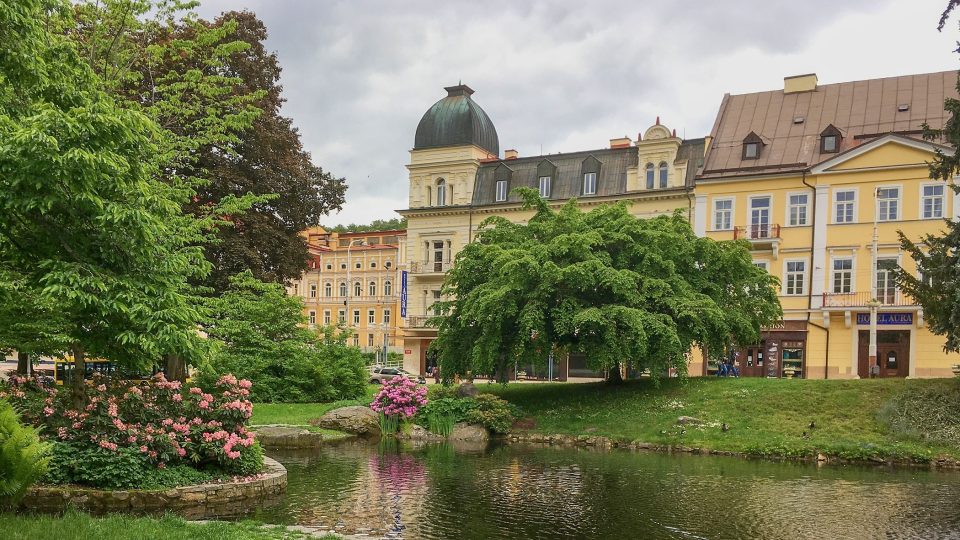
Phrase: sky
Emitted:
{"points": [[559, 76]]}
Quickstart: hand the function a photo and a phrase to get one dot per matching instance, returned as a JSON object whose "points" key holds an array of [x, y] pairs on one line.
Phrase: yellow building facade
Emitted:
{"points": [[353, 280], [458, 178], [805, 175]]}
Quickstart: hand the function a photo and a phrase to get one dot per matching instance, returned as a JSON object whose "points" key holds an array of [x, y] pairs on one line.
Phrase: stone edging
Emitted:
{"points": [[587, 441], [191, 502], [287, 437]]}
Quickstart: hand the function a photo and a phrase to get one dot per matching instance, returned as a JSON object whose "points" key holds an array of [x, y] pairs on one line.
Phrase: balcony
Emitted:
{"points": [[430, 267], [763, 236], [418, 321], [862, 300]]}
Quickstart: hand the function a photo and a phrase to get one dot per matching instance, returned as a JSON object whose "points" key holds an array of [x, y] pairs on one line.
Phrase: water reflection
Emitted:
{"points": [[444, 491]]}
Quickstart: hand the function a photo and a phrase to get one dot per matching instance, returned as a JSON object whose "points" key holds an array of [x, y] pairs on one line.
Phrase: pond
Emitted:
{"points": [[464, 492]]}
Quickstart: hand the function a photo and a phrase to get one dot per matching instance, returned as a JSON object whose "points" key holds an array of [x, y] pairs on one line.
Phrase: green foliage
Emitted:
{"points": [[23, 458], [89, 466], [491, 412], [376, 225], [177, 475], [928, 413], [262, 338], [250, 462], [618, 288], [441, 414]]}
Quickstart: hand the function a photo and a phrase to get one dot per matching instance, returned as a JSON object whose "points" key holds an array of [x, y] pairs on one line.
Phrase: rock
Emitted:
{"points": [[468, 390], [689, 420], [420, 433], [354, 419], [469, 432]]}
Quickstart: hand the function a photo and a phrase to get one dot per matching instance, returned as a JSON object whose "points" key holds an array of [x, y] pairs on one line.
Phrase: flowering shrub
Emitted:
{"points": [[398, 401], [129, 424]]}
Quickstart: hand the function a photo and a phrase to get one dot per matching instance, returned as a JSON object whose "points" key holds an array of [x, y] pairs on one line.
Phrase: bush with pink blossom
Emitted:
{"points": [[134, 426], [397, 402]]}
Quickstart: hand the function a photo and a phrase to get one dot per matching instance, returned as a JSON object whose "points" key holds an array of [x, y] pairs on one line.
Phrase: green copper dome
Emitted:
{"points": [[456, 120]]}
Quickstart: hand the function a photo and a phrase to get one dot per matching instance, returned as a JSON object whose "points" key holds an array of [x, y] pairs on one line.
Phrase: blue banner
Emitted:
{"points": [[403, 293], [886, 318]]}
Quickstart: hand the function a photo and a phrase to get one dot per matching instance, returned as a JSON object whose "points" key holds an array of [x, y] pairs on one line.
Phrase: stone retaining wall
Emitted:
{"points": [[201, 501], [600, 442]]}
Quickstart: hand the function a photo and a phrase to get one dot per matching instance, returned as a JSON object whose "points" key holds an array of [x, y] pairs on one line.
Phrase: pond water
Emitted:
{"points": [[442, 491]]}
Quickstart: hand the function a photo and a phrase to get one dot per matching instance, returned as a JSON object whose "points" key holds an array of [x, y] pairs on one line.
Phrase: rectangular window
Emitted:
{"points": [[545, 187], [436, 305], [313, 290], [312, 318], [356, 317], [386, 316], [342, 316], [356, 340], [842, 276], [371, 317], [326, 317], [723, 214], [886, 281], [369, 340], [843, 206], [888, 204], [797, 209], [590, 183], [765, 265], [501, 190], [931, 201], [796, 277]]}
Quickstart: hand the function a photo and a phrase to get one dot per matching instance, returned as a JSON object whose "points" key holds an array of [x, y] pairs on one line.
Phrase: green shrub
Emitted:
{"points": [[442, 391], [928, 413], [23, 458], [491, 412], [177, 475], [97, 467], [250, 462], [441, 414]]}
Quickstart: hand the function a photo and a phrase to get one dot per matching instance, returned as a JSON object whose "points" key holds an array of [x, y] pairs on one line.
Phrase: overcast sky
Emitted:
{"points": [[560, 76]]}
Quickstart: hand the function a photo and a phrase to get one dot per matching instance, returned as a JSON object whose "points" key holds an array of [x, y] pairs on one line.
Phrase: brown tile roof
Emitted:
{"points": [[861, 110]]}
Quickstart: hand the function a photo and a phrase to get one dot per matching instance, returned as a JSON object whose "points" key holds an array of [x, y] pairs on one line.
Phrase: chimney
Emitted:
{"points": [[800, 83], [510, 154], [620, 142]]}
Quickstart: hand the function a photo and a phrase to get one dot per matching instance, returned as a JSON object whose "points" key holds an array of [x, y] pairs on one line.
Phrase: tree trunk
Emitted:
{"points": [[503, 371], [78, 375], [23, 361], [615, 377], [176, 369]]}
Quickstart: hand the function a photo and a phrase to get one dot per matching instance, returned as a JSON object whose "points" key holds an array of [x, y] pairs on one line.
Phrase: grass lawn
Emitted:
{"points": [[767, 417], [300, 414], [80, 526]]}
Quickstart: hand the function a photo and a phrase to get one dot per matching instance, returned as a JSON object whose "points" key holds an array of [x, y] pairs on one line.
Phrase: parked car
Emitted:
{"points": [[380, 375]]}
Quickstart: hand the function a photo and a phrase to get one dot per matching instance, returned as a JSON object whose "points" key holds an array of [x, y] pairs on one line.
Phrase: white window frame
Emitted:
{"points": [[356, 317], [312, 317], [545, 181], [853, 274], [386, 316], [441, 192], [369, 340], [713, 212], [806, 206], [876, 274], [326, 317], [372, 288], [762, 263], [856, 205], [501, 194], [342, 316], [388, 288], [803, 277], [328, 290], [943, 200], [343, 289], [899, 200], [313, 290], [371, 316], [590, 180]]}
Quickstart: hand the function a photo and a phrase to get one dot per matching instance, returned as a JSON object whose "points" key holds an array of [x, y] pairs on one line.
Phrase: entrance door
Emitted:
{"points": [[893, 353], [751, 361], [760, 217]]}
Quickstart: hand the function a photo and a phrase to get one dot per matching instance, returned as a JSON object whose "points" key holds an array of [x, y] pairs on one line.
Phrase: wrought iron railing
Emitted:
{"points": [[766, 231], [862, 299]]}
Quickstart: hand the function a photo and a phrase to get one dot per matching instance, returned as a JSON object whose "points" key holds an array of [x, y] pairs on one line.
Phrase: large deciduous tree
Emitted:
{"points": [[84, 217], [937, 287], [620, 289]]}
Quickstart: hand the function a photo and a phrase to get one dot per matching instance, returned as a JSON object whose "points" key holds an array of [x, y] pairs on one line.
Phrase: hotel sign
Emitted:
{"points": [[403, 294], [886, 318]]}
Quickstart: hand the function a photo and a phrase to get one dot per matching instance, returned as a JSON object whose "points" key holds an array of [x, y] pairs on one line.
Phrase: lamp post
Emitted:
{"points": [[346, 301], [874, 303]]}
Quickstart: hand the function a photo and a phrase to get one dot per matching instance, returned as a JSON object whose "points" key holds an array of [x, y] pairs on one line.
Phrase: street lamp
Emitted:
{"points": [[874, 303], [346, 301]]}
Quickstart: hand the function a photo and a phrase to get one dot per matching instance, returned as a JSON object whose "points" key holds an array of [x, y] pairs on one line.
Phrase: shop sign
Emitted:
{"points": [[403, 294], [408, 351], [886, 318]]}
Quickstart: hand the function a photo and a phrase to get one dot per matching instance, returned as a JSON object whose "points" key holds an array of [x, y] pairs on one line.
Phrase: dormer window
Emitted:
{"points": [[501, 177], [590, 168], [830, 140], [501, 190], [546, 171], [752, 144]]}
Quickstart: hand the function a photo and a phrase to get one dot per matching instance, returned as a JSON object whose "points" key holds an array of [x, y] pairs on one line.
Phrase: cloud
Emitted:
{"points": [[558, 76]]}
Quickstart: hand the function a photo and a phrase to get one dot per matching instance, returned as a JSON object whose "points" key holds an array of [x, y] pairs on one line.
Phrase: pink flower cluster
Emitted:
{"points": [[400, 397], [158, 419]]}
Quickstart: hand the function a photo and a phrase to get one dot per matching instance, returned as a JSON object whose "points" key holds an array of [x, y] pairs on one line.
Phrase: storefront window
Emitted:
{"points": [[792, 363]]}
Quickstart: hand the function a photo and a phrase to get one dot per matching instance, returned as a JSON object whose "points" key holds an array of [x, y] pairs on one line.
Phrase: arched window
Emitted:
{"points": [[357, 289], [328, 289], [441, 192], [373, 288], [343, 288], [663, 174], [649, 175], [387, 288]]}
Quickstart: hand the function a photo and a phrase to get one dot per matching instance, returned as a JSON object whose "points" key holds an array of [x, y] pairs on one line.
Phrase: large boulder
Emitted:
{"points": [[467, 390], [353, 419], [420, 433], [469, 432]]}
